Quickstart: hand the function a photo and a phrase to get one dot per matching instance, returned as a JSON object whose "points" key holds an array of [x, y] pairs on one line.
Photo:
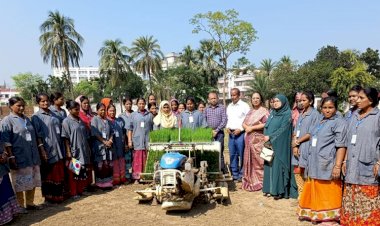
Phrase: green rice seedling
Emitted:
{"points": [[202, 135], [186, 135]]}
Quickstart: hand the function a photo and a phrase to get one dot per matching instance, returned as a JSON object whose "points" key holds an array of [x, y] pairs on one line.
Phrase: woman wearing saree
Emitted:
{"points": [[254, 141], [279, 180]]}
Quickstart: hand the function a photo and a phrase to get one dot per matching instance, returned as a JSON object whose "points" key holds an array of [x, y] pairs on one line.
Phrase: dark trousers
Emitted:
{"points": [[236, 149], [220, 137]]}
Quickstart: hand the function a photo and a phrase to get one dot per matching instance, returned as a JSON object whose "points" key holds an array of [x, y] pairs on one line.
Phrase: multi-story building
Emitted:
{"points": [[6, 93], [78, 74], [240, 81]]}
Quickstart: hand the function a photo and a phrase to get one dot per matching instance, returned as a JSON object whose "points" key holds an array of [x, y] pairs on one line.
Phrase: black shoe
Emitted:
{"points": [[277, 197]]}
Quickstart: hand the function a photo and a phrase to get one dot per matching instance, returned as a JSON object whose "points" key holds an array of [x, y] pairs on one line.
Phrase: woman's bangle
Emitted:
{"points": [[378, 163], [337, 167], [40, 145], [11, 157], [344, 162]]}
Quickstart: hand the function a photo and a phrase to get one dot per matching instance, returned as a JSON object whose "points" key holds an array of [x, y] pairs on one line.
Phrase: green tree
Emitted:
{"points": [[267, 65], [260, 84], [207, 62], [372, 59], [188, 56], [284, 78], [29, 85], [243, 65], [60, 42], [230, 35], [88, 88], [113, 63], [146, 51], [342, 79]]}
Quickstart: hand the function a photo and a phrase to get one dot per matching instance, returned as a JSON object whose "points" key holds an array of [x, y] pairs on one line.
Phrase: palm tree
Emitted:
{"points": [[267, 65], [206, 55], [188, 57], [114, 62], [60, 42], [260, 84], [146, 51]]}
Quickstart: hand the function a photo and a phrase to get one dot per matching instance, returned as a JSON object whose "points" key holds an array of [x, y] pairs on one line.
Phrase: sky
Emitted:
{"points": [[296, 28]]}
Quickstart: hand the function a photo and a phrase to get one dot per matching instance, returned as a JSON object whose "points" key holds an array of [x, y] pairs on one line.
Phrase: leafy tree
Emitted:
{"points": [[284, 78], [146, 51], [342, 79], [29, 85], [88, 88], [60, 42], [371, 58], [230, 35]]}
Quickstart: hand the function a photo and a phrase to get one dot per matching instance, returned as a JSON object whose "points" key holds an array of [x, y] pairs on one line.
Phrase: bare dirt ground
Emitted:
{"points": [[117, 207]]}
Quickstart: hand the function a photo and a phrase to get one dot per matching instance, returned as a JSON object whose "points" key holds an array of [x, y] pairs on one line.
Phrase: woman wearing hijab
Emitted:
{"points": [[278, 178], [165, 117]]}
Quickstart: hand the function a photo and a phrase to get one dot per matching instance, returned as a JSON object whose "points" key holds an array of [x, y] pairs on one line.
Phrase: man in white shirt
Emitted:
{"points": [[236, 112]]}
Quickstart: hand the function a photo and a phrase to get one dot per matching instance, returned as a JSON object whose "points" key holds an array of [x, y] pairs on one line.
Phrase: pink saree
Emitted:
{"points": [[254, 142]]}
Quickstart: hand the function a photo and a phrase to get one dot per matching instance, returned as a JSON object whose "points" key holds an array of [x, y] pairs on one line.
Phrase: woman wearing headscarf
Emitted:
{"points": [[107, 102], [86, 116], [165, 117], [278, 178]]}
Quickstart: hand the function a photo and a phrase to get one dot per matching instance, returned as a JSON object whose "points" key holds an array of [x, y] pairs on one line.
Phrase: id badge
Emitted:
{"points": [[116, 133], [142, 124], [57, 130], [314, 142], [28, 136], [298, 133], [191, 119], [353, 139], [104, 135]]}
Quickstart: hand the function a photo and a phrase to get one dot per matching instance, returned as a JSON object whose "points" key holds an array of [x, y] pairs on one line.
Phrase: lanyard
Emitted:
{"points": [[23, 122], [319, 127]]}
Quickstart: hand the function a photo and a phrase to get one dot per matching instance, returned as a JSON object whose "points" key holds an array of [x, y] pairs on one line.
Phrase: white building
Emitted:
{"points": [[240, 81], [170, 60], [6, 93], [78, 74]]}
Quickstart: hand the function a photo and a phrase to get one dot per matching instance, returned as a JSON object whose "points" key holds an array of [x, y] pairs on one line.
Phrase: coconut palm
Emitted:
{"points": [[206, 55], [146, 51], [267, 65], [260, 84], [188, 56], [60, 42], [114, 61]]}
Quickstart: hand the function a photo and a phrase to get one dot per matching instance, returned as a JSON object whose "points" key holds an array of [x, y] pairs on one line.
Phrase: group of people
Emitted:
{"points": [[329, 161]]}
